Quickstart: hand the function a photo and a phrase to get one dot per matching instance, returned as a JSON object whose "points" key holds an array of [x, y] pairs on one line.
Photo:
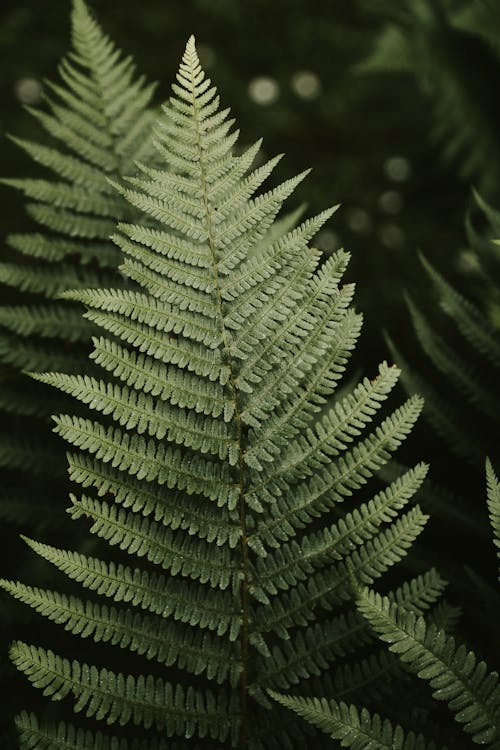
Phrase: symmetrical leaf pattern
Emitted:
{"points": [[210, 464]]}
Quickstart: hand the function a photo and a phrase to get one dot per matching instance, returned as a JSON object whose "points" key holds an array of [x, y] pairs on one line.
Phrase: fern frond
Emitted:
{"points": [[451, 364], [145, 538], [329, 487], [209, 475], [23, 354], [98, 124], [120, 698], [493, 487], [367, 680], [438, 500], [48, 281], [50, 322], [353, 727], [152, 592], [55, 249], [468, 319], [327, 589], [150, 461], [434, 43], [27, 455], [36, 735], [297, 561], [172, 510], [165, 642], [171, 384], [441, 412], [311, 650], [454, 673], [136, 410], [445, 616]]}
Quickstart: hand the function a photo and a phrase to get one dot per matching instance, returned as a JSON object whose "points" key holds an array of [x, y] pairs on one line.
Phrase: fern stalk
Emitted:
{"points": [[192, 62]]}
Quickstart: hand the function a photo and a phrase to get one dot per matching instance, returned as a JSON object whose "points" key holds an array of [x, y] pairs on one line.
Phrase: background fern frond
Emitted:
{"points": [[98, 120], [493, 487], [434, 43], [35, 735], [93, 126]]}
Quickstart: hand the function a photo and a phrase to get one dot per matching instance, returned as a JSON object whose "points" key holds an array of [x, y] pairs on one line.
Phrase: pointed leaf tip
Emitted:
{"points": [[79, 6]]}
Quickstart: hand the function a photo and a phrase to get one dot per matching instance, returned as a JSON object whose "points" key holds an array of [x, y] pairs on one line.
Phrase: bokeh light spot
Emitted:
{"points": [[306, 84], [328, 241], [392, 236], [28, 90], [390, 202], [359, 221], [263, 90], [397, 168]]}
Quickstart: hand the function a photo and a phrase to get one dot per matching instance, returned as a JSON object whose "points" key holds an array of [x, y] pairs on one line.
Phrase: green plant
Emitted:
{"points": [[354, 727], [457, 364], [493, 487], [455, 368], [213, 464], [454, 673], [94, 127], [98, 123]]}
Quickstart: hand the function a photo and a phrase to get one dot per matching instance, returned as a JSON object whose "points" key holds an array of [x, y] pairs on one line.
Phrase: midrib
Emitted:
{"points": [[245, 597]]}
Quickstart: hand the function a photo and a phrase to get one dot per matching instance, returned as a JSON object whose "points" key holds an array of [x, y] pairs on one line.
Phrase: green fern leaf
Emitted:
{"points": [[494, 504], [453, 672], [34, 735], [120, 698], [442, 414], [214, 474], [353, 727], [310, 650]]}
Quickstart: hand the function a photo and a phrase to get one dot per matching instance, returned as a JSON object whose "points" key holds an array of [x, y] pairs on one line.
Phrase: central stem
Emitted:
{"points": [[244, 592]]}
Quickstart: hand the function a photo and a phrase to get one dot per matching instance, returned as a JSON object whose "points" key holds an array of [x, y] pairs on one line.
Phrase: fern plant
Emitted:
{"points": [[98, 120], [203, 454], [454, 673]]}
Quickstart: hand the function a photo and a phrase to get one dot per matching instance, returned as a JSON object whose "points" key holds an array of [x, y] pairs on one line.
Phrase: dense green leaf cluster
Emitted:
{"points": [[465, 357]]}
